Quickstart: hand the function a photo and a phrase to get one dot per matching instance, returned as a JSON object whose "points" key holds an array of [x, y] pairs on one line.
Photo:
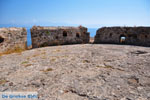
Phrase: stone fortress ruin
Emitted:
{"points": [[46, 36], [124, 35], [12, 39]]}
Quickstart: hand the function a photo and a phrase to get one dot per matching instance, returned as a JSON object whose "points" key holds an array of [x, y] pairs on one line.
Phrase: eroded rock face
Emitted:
{"points": [[79, 72], [46, 36], [126, 35], [12, 39]]}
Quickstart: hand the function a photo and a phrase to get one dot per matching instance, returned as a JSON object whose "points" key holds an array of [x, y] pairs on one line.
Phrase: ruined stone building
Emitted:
{"points": [[12, 39], [124, 35], [46, 36]]}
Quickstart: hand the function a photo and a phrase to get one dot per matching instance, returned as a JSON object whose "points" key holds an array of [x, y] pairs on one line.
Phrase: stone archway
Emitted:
{"points": [[122, 39]]}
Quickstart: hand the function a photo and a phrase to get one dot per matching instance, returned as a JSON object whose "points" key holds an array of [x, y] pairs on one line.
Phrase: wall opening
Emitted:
{"points": [[110, 35], [77, 35], [122, 39], [135, 36], [64, 34], [57, 37], [1, 39], [29, 40]]}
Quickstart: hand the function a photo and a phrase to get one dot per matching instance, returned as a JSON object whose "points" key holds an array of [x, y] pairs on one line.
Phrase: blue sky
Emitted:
{"points": [[89, 13]]}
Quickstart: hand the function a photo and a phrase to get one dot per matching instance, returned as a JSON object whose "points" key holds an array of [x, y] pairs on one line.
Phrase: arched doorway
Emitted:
{"points": [[122, 39]]}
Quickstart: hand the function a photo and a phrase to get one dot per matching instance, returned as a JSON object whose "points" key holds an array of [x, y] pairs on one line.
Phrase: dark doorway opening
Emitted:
{"points": [[110, 35], [122, 39], [57, 37], [77, 35], [64, 34], [1, 39]]}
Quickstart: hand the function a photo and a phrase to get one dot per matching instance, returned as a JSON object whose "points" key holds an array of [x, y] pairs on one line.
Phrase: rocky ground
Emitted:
{"points": [[79, 72]]}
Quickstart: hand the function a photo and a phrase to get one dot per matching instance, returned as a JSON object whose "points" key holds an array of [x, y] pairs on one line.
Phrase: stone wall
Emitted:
{"points": [[131, 35], [12, 39], [46, 36]]}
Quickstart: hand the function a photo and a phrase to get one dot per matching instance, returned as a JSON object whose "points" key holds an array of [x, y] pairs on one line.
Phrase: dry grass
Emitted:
{"points": [[25, 62], [47, 70], [3, 81], [99, 66], [86, 61], [44, 53], [43, 57], [28, 58], [53, 59], [35, 55], [15, 50], [108, 66], [27, 65], [105, 66], [55, 51]]}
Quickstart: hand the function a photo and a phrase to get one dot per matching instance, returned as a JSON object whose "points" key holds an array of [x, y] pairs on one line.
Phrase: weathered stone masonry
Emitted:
{"points": [[12, 39], [46, 36], [131, 35]]}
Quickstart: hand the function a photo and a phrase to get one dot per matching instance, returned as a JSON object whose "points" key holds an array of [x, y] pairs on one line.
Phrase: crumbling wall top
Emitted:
{"points": [[56, 28]]}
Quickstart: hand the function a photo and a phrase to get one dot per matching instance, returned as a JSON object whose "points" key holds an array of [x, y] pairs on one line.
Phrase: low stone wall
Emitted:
{"points": [[12, 39], [130, 35], [46, 36]]}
